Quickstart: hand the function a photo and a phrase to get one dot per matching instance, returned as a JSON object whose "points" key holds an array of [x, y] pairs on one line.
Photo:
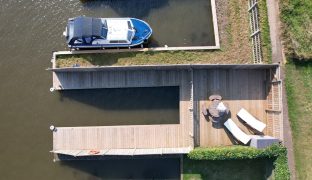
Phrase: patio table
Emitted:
{"points": [[217, 115]]}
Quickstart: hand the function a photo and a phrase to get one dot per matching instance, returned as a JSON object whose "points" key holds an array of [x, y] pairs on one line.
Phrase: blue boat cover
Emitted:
{"points": [[85, 27]]}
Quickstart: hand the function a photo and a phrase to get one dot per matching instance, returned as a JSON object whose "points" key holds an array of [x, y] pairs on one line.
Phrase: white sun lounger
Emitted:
{"points": [[236, 131], [250, 120]]}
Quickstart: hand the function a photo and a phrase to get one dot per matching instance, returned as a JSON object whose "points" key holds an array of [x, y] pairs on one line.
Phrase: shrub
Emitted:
{"points": [[276, 152], [296, 16]]}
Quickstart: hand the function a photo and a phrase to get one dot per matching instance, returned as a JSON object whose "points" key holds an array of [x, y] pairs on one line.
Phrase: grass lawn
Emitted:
{"points": [[265, 32], [234, 32], [297, 18], [256, 169], [299, 94]]}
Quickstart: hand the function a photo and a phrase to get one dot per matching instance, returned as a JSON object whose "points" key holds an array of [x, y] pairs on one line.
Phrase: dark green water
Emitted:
{"points": [[134, 168], [29, 32], [121, 106]]}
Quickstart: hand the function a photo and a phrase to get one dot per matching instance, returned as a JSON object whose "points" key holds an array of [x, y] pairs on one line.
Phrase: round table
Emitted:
{"points": [[213, 111], [216, 115]]}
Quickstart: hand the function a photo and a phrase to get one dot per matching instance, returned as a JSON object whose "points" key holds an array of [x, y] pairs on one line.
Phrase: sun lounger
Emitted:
{"points": [[236, 131], [250, 120]]}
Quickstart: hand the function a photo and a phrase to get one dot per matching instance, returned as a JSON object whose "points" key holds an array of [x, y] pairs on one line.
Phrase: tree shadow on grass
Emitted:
{"points": [[302, 63]]}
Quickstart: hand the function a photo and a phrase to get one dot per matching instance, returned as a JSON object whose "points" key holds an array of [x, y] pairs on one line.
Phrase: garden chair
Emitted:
{"points": [[236, 131], [250, 120]]}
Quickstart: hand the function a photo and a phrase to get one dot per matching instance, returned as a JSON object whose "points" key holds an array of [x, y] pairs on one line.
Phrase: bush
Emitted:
{"points": [[296, 16], [281, 167], [276, 152]]}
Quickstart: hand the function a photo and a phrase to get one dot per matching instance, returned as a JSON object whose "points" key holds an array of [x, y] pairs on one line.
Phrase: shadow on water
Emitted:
{"points": [[127, 8], [152, 42], [128, 168], [147, 98], [121, 106]]}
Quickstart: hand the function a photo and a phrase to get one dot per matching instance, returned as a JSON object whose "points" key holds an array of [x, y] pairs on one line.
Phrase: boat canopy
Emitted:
{"points": [[84, 27]]}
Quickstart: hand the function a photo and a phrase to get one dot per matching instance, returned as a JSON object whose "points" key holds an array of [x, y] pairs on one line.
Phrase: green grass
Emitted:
{"points": [[297, 18], [265, 31], [227, 169], [141, 58], [299, 97]]}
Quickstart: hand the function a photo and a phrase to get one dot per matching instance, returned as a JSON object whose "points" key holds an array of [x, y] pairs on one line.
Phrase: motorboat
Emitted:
{"points": [[89, 32]]}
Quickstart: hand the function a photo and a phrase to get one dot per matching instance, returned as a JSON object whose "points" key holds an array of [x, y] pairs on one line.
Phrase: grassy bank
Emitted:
{"points": [[297, 19], [299, 96], [141, 58]]}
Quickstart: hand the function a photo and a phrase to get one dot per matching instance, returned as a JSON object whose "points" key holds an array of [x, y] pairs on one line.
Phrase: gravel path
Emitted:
{"points": [[278, 57]]}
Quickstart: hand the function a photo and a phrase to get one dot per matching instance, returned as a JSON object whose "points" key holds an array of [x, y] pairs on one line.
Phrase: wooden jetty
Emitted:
{"points": [[256, 88], [122, 140]]}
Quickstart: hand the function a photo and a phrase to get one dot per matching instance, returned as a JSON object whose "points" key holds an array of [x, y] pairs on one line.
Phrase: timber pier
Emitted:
{"points": [[254, 87]]}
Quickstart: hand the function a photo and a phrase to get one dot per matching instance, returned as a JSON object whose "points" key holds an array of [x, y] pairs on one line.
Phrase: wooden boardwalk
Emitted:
{"points": [[166, 139], [118, 79], [125, 139], [255, 88]]}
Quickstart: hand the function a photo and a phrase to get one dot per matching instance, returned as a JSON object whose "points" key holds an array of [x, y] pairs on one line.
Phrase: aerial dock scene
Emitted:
{"points": [[155, 89]]}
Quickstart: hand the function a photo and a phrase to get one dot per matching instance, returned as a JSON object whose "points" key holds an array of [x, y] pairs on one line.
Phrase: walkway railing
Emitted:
{"points": [[255, 30]]}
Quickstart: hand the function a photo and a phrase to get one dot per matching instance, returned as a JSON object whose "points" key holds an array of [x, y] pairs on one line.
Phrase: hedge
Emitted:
{"points": [[276, 152]]}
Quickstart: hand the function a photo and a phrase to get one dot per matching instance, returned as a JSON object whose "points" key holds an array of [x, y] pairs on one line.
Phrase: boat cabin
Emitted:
{"points": [[98, 31]]}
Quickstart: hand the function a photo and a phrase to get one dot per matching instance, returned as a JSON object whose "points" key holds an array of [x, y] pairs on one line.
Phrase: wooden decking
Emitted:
{"points": [[132, 139], [118, 79], [255, 88], [239, 89]]}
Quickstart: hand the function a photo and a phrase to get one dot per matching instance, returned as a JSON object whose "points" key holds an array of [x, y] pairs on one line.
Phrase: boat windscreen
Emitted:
{"points": [[104, 33], [130, 35], [129, 25]]}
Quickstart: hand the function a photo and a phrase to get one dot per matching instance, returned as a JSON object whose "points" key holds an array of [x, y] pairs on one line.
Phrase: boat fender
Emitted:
{"points": [[52, 128], [93, 152]]}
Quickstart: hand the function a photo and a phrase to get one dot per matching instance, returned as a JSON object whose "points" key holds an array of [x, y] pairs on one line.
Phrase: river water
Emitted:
{"points": [[29, 31]]}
